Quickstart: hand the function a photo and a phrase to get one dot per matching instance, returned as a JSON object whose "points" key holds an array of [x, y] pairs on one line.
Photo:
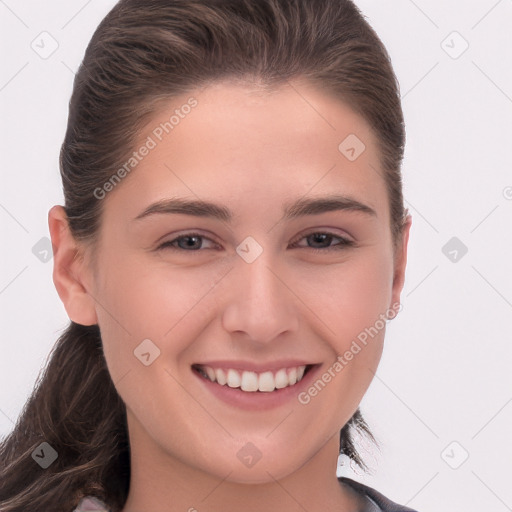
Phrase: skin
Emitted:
{"points": [[251, 151]]}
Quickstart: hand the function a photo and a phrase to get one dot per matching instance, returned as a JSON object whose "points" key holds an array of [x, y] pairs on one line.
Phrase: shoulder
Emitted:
{"points": [[91, 504], [384, 504]]}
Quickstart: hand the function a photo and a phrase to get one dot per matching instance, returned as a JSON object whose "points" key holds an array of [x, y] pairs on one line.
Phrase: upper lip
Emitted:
{"points": [[251, 366]]}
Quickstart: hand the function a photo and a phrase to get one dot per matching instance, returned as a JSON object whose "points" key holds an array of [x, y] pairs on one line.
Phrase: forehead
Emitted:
{"points": [[245, 145]]}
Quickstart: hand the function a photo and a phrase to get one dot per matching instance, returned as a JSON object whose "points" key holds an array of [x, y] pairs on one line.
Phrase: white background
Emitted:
{"points": [[445, 374]]}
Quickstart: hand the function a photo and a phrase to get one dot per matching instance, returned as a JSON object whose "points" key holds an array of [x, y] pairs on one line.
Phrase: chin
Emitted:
{"points": [[250, 467]]}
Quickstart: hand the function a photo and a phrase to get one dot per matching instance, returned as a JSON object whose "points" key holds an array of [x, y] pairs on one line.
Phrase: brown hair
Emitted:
{"points": [[142, 53]]}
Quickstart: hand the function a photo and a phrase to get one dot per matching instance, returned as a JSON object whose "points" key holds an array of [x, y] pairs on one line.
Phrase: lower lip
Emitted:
{"points": [[258, 400]]}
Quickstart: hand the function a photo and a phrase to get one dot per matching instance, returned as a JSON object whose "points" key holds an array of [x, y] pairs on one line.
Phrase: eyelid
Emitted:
{"points": [[344, 242], [166, 243], [325, 231]]}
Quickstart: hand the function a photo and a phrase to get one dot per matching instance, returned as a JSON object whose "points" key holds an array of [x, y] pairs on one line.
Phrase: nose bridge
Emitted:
{"points": [[260, 304]]}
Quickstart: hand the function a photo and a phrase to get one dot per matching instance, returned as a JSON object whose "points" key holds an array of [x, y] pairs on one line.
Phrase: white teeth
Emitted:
{"points": [[281, 379], [251, 381], [292, 376], [220, 376], [210, 372], [233, 379], [266, 382]]}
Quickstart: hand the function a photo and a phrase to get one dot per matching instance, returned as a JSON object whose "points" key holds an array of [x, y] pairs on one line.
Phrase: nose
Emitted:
{"points": [[260, 302]]}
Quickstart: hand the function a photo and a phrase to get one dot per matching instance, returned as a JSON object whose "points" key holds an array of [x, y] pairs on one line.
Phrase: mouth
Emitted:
{"points": [[267, 381]]}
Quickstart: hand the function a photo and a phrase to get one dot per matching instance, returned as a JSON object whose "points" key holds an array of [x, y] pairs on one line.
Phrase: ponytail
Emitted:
{"points": [[77, 413]]}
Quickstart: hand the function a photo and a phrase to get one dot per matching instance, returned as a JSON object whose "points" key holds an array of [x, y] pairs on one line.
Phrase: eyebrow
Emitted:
{"points": [[298, 208]]}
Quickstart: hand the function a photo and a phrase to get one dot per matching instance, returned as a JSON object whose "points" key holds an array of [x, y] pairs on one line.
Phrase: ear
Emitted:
{"points": [[69, 270], [399, 265]]}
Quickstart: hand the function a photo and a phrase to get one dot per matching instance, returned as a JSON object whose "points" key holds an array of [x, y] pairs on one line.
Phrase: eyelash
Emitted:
{"points": [[344, 242]]}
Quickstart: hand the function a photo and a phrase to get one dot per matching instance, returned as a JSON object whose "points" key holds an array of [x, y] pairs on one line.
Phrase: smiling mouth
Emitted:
{"points": [[252, 382]]}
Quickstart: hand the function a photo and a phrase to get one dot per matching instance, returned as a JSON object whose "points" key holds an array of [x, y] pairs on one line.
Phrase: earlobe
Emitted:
{"points": [[400, 265], [69, 271]]}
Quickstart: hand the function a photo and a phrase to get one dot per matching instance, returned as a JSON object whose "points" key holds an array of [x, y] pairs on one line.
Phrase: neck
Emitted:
{"points": [[161, 483]]}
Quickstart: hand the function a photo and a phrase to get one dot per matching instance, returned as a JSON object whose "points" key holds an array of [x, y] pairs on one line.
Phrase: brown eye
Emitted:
{"points": [[322, 241], [317, 241], [188, 242]]}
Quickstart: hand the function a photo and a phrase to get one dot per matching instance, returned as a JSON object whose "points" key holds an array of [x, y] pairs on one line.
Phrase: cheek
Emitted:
{"points": [[352, 297], [137, 301], [141, 302], [353, 302]]}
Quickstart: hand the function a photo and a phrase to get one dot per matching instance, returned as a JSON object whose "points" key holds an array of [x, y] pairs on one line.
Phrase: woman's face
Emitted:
{"points": [[292, 267]]}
